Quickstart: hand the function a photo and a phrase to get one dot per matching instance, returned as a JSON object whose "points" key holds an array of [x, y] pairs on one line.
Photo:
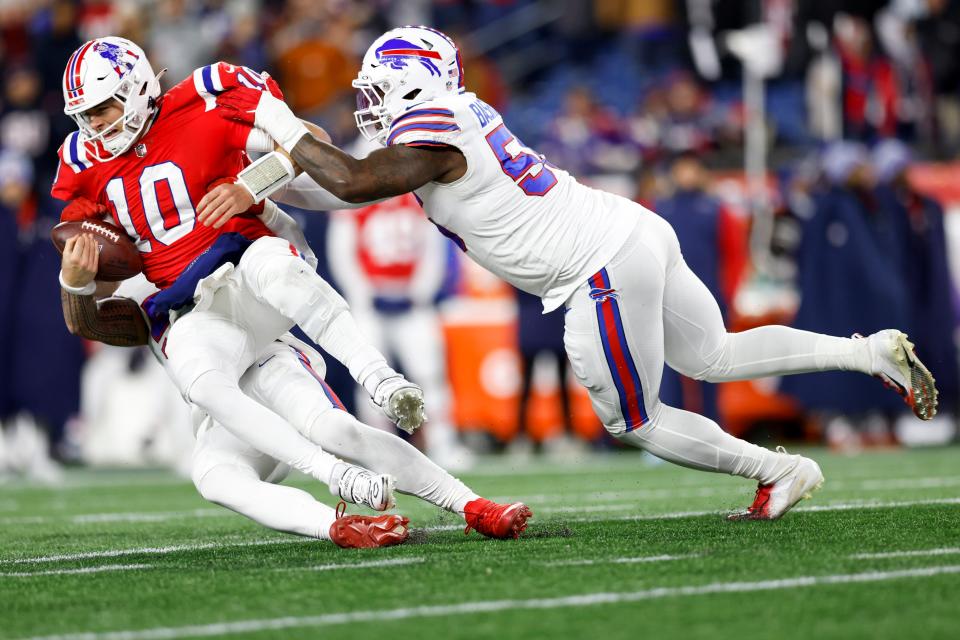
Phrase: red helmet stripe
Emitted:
{"points": [[72, 77], [420, 53]]}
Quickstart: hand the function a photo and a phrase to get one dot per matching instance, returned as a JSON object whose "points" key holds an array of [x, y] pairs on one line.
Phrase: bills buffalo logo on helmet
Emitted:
{"points": [[395, 52], [602, 295], [116, 56]]}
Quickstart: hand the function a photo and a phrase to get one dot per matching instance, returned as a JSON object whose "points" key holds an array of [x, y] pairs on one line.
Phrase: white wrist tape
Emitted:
{"points": [[86, 290], [266, 175], [276, 118]]}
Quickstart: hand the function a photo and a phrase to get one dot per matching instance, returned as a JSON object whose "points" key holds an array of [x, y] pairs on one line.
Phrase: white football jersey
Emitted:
{"points": [[520, 217]]}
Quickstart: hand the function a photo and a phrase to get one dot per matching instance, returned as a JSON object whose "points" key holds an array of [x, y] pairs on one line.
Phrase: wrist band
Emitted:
{"points": [[266, 175], [86, 290]]}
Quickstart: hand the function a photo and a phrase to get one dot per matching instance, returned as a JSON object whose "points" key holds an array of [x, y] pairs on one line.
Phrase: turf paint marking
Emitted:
{"points": [[393, 562], [95, 518], [634, 560], [913, 553], [63, 572], [114, 553], [489, 606]]}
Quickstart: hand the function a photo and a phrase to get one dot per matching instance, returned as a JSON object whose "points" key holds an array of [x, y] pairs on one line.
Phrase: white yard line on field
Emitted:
{"points": [[158, 551], [626, 497], [884, 484], [63, 572], [372, 564], [135, 516], [633, 560], [912, 553], [492, 606], [837, 506]]}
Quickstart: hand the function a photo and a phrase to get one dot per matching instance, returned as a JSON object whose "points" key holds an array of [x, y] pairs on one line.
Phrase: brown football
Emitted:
{"points": [[119, 258]]}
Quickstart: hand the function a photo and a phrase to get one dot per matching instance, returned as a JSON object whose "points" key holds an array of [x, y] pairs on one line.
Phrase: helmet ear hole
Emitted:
{"points": [[413, 94]]}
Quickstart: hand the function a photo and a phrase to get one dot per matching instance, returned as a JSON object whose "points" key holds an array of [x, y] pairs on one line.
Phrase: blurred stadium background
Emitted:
{"points": [[805, 153]]}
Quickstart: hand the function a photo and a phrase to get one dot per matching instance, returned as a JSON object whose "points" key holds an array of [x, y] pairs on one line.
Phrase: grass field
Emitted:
{"points": [[618, 548]]}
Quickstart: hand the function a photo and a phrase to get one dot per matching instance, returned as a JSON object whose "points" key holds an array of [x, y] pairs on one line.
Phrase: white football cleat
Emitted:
{"points": [[775, 499], [896, 364], [359, 486]]}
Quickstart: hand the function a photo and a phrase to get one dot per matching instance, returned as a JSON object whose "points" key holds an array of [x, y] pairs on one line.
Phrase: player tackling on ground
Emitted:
{"points": [[631, 302], [227, 293]]}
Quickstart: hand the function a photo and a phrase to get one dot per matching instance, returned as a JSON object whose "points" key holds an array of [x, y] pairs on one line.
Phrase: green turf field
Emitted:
{"points": [[618, 548]]}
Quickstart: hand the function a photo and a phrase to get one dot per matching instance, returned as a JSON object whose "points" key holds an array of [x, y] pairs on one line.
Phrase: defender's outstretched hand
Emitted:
{"points": [[78, 266], [264, 111], [401, 401]]}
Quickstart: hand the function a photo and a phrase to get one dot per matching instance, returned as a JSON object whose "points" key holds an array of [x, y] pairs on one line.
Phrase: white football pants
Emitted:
{"points": [[239, 312], [287, 379], [645, 307]]}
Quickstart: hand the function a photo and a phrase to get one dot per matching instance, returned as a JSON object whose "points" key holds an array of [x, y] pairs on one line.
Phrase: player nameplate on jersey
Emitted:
{"points": [[141, 150]]}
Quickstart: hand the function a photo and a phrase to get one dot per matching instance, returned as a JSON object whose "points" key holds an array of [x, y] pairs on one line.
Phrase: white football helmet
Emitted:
{"points": [[404, 67], [110, 68]]}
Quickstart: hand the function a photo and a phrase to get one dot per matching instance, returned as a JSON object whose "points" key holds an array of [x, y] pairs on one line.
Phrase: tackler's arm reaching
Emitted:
{"points": [[384, 173]]}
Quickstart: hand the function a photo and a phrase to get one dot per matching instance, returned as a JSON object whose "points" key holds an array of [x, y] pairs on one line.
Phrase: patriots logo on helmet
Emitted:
{"points": [[395, 52], [116, 56], [602, 295]]}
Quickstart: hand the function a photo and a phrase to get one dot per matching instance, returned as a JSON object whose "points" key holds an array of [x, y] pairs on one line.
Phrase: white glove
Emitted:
{"points": [[275, 117], [401, 401]]}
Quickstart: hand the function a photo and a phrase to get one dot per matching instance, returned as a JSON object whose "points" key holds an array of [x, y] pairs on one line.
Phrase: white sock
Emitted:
{"points": [[275, 506], [694, 441], [775, 350], [345, 436], [258, 426]]}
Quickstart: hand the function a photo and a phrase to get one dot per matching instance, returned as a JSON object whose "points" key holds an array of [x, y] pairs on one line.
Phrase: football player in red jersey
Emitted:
{"points": [[231, 289], [143, 159]]}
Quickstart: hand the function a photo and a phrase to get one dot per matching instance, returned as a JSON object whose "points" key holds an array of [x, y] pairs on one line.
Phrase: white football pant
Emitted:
{"points": [[646, 307], [239, 312], [232, 473]]}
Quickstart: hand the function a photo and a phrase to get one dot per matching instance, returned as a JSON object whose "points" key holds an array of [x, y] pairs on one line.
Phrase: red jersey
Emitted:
{"points": [[152, 189], [390, 241]]}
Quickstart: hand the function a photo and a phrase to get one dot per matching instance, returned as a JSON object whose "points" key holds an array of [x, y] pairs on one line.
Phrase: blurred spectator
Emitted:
{"points": [[918, 224], [24, 125], [876, 99], [181, 39], [585, 138], [14, 180], [481, 73], [44, 355], [540, 334], [393, 267], [312, 51], [850, 281], [714, 244], [682, 118], [938, 35]]}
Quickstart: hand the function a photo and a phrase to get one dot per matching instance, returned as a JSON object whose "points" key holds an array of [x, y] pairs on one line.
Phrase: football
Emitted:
{"points": [[119, 258]]}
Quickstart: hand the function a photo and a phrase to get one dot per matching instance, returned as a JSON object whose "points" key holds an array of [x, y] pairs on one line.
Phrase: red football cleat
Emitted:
{"points": [[494, 520], [365, 532], [775, 499]]}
